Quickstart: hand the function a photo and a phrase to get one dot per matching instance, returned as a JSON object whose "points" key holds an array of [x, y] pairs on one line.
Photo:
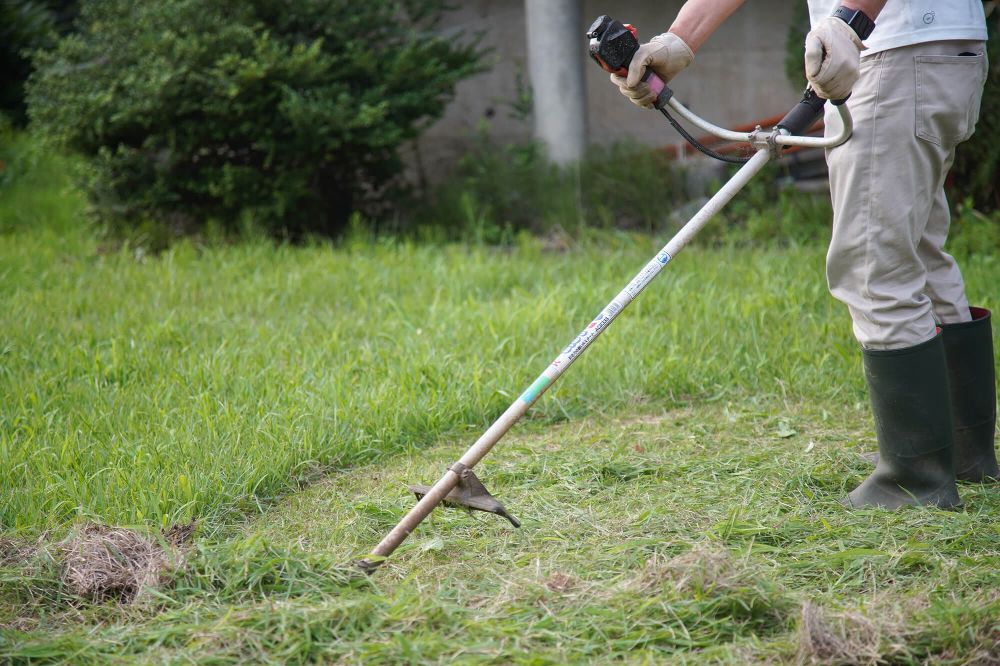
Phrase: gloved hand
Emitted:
{"points": [[833, 57], [666, 55]]}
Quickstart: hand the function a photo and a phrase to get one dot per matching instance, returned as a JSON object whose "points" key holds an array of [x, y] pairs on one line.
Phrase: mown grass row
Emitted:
{"points": [[704, 534]]}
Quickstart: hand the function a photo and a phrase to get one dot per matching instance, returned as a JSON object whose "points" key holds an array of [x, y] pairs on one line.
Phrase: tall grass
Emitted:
{"points": [[178, 385]]}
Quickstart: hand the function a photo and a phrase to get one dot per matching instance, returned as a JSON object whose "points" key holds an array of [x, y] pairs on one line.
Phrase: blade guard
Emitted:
{"points": [[470, 493]]}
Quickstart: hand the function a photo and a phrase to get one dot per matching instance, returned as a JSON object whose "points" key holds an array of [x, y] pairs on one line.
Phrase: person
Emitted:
{"points": [[914, 73]]}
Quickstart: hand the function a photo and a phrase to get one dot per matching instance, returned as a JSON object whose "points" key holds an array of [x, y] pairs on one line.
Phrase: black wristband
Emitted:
{"points": [[857, 19]]}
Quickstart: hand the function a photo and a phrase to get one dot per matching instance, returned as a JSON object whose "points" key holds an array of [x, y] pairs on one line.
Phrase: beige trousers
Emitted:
{"points": [[886, 262]]}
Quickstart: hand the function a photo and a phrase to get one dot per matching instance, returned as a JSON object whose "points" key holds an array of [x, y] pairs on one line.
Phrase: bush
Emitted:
{"points": [[285, 114], [496, 191]]}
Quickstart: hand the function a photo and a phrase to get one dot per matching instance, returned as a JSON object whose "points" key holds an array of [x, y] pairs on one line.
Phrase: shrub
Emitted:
{"points": [[496, 191], [285, 114]]}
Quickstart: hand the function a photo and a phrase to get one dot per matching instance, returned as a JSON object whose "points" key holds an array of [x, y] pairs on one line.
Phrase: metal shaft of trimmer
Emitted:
{"points": [[572, 351]]}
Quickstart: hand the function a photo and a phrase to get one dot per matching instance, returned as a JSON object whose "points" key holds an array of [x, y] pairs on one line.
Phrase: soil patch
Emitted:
{"points": [[15, 552]]}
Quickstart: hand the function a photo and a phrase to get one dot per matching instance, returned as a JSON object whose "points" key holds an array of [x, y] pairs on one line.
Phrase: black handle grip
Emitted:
{"points": [[804, 114]]}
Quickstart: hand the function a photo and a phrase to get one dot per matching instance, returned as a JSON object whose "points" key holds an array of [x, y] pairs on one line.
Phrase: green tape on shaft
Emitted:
{"points": [[535, 389]]}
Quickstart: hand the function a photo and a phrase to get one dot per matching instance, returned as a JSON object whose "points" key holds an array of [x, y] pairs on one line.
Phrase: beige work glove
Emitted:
{"points": [[666, 55], [833, 58]]}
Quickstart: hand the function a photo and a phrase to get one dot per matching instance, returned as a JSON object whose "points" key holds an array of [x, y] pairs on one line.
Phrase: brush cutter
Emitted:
{"points": [[612, 45]]}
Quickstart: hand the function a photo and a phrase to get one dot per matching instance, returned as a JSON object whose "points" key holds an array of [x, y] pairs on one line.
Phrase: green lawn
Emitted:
{"points": [[678, 488]]}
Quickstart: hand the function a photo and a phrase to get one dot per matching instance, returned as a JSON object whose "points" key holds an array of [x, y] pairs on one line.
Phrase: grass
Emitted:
{"points": [[195, 381], [678, 488]]}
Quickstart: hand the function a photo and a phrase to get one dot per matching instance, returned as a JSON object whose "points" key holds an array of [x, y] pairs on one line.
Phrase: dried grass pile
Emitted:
{"points": [[701, 569], [837, 638], [101, 562]]}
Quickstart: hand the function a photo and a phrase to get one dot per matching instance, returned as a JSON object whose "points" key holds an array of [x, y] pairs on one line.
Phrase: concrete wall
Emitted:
{"points": [[738, 76], [557, 75]]}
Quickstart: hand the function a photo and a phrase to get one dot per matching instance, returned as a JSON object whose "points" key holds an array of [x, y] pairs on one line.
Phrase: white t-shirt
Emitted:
{"points": [[905, 22]]}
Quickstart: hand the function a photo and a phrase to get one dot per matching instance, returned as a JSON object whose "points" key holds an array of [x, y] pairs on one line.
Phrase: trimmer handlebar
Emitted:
{"points": [[613, 44]]}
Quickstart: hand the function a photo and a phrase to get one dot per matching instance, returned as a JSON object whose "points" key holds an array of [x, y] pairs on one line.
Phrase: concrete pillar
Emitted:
{"points": [[556, 51]]}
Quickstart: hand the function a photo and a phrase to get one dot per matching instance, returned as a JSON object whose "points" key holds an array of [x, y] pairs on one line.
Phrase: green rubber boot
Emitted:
{"points": [[972, 378], [909, 396]]}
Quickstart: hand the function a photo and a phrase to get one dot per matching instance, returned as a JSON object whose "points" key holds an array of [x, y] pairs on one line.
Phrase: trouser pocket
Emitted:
{"points": [[948, 93]]}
